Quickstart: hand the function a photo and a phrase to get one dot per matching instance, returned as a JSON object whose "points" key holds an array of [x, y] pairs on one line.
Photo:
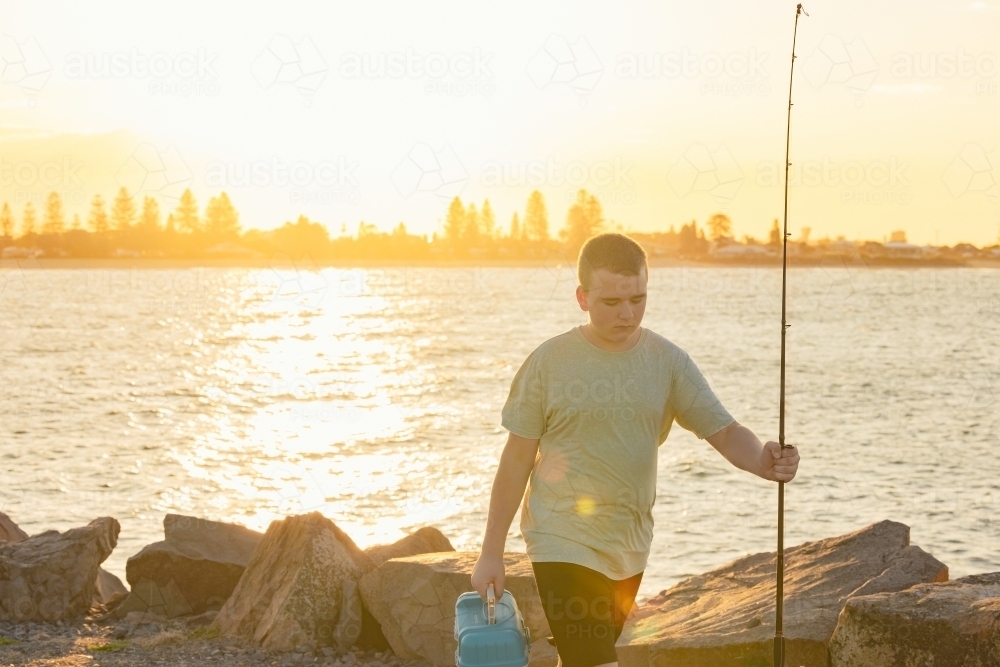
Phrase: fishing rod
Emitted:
{"points": [[779, 638]]}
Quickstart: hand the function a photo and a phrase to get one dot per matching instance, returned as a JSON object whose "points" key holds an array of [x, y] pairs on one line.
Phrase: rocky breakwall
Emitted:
{"points": [[726, 616], [950, 624], [414, 599], [299, 588], [53, 576], [194, 569]]}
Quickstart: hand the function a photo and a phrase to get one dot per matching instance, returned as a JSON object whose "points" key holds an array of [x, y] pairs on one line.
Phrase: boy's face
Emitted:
{"points": [[615, 302]]}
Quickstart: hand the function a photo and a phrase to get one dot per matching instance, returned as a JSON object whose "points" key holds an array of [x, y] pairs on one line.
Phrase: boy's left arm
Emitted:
{"points": [[741, 447]]}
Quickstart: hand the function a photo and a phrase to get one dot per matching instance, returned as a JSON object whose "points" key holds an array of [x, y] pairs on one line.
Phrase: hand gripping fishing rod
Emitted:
{"points": [[779, 639]]}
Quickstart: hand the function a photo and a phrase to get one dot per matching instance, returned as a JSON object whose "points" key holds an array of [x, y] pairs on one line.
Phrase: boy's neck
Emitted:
{"points": [[607, 345]]}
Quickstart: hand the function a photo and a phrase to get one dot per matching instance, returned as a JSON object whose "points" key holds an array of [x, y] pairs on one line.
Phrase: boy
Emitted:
{"points": [[586, 413]]}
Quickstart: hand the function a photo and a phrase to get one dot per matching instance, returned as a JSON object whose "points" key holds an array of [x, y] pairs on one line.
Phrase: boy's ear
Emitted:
{"points": [[581, 298]]}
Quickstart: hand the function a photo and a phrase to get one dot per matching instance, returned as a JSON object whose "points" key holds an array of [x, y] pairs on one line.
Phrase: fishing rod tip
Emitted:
{"points": [[802, 9]]}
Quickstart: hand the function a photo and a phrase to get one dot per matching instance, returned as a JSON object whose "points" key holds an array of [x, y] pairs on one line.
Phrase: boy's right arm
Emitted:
{"points": [[516, 462]]}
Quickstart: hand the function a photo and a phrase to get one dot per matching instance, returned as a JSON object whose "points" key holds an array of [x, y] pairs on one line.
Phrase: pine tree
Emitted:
{"points": [[471, 233], [6, 221], [488, 220], [186, 214], [515, 228], [123, 210], [221, 219], [454, 223], [149, 219], [536, 218], [775, 238], [54, 221], [171, 226], [584, 219], [98, 218], [28, 221], [76, 226], [720, 226]]}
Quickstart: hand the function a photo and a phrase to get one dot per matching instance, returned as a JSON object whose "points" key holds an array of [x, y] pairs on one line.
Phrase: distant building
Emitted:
{"points": [[897, 237], [738, 251], [965, 249], [20, 252], [842, 247], [902, 249]]}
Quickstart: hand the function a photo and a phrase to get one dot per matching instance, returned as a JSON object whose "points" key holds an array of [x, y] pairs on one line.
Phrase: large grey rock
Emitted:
{"points": [[300, 588], [194, 569], [726, 616], [414, 598], [51, 576], [422, 541], [950, 624], [107, 587], [10, 531]]}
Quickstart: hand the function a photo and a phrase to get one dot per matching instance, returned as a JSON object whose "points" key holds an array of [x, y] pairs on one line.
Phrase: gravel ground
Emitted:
{"points": [[168, 643]]}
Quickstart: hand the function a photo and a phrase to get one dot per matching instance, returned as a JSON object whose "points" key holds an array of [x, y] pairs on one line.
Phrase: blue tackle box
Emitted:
{"points": [[490, 633]]}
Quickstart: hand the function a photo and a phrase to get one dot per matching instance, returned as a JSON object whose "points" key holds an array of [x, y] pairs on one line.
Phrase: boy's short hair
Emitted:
{"points": [[615, 252]]}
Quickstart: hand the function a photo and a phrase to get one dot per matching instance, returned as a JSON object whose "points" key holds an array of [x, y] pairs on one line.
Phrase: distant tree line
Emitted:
{"points": [[124, 227]]}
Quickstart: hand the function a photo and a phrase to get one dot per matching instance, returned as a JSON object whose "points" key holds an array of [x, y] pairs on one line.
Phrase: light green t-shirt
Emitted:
{"points": [[600, 417]]}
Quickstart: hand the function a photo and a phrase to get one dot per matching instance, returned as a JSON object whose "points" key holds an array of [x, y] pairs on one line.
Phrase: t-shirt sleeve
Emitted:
{"points": [[524, 412], [693, 402]]}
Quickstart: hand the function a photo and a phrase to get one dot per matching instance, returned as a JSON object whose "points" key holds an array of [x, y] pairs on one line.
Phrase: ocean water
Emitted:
{"points": [[374, 397]]}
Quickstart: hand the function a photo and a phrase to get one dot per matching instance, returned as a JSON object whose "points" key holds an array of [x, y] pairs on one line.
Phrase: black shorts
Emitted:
{"points": [[586, 611]]}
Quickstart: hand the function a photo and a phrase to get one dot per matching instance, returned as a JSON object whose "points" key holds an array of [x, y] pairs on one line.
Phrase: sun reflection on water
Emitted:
{"points": [[374, 397]]}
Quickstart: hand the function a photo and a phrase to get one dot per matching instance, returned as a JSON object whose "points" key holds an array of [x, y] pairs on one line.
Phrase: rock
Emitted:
{"points": [[423, 541], [950, 624], [413, 599], [300, 587], [9, 531], [107, 587], [51, 576], [726, 616], [195, 568]]}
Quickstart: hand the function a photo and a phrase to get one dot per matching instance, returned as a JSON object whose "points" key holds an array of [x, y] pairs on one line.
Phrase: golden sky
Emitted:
{"points": [[383, 111]]}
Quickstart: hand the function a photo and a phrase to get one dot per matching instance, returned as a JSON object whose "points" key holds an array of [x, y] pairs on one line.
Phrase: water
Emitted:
{"points": [[374, 397]]}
